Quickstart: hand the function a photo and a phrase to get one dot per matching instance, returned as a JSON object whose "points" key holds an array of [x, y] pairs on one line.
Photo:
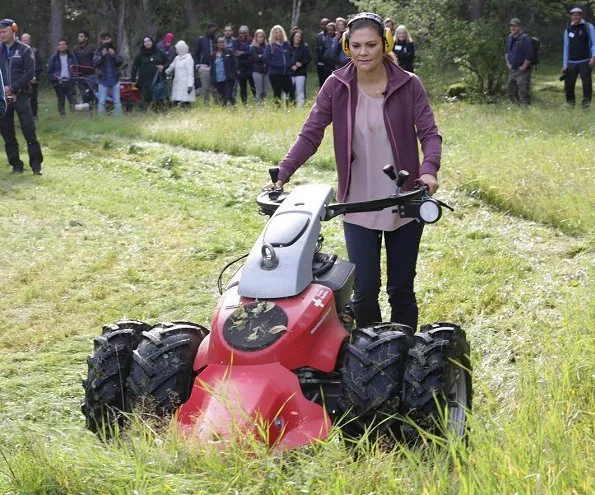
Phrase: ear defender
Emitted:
{"points": [[345, 43], [9, 23], [388, 40]]}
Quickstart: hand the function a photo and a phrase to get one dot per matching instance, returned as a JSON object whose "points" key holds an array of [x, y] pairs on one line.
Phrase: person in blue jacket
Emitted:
{"points": [[224, 67], [107, 63], [60, 75], [279, 58], [578, 56]]}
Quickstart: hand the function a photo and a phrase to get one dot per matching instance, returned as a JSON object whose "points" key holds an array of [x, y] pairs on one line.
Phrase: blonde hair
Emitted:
{"points": [[403, 29], [256, 33], [277, 26]]}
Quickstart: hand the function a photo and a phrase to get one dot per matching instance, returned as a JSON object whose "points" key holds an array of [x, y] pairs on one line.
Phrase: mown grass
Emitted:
{"points": [[131, 221]]}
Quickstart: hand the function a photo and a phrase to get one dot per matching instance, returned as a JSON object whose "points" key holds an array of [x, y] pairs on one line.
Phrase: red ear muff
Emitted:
{"points": [[14, 27]]}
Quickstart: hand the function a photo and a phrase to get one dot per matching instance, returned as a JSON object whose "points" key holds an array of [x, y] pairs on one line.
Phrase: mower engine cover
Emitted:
{"points": [[280, 263]]}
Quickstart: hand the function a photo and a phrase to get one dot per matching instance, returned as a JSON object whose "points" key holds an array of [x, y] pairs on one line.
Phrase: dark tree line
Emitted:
{"points": [[130, 20]]}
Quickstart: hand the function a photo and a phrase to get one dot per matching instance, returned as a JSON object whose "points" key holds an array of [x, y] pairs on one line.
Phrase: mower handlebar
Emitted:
{"points": [[337, 209]]}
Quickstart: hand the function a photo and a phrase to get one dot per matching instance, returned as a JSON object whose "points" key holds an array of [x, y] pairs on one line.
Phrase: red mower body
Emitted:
{"points": [[246, 380]]}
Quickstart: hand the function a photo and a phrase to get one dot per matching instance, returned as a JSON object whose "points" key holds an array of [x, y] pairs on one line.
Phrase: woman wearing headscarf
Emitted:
{"points": [[148, 65], [182, 92], [166, 45]]}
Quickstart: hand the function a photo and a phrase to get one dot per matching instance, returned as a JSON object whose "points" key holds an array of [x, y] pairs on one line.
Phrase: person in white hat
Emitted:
{"points": [[578, 56]]}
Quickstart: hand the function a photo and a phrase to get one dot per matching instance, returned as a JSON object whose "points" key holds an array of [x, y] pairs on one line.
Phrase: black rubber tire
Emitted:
{"points": [[372, 375], [161, 374], [108, 368], [437, 376]]}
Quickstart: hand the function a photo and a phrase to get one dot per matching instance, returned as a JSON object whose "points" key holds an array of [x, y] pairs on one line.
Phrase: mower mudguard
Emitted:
{"points": [[262, 400]]}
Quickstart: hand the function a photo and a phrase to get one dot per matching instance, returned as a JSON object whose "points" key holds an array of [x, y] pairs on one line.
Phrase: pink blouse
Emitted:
{"points": [[371, 151]]}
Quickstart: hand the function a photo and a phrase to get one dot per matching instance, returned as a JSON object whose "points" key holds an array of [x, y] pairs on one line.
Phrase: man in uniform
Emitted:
{"points": [[17, 65]]}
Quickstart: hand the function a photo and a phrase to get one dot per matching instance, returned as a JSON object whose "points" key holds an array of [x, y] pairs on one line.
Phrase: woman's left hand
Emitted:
{"points": [[430, 181]]}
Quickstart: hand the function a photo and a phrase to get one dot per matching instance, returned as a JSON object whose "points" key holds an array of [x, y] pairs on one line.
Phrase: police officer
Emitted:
{"points": [[17, 65]]}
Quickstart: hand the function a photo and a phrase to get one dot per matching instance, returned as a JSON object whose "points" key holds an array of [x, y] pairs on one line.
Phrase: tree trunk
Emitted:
{"points": [[474, 11], [190, 11], [123, 46], [56, 23], [295, 12]]}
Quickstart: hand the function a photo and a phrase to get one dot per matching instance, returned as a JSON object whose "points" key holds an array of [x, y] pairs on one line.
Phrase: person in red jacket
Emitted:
{"points": [[379, 112]]}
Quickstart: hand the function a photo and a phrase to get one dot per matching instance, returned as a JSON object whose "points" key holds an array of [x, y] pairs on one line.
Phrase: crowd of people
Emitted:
{"points": [[213, 65]]}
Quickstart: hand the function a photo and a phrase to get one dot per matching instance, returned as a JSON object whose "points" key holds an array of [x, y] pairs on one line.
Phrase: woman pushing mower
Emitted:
{"points": [[378, 112]]}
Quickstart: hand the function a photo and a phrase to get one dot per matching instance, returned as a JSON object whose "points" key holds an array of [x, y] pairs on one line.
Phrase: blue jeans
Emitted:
{"points": [[115, 91], [402, 247]]}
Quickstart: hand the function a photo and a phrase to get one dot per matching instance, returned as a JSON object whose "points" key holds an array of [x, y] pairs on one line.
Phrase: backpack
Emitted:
{"points": [[536, 47]]}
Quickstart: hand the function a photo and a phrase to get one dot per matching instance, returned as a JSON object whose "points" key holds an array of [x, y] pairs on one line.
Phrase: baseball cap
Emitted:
{"points": [[515, 21], [6, 23], [576, 10]]}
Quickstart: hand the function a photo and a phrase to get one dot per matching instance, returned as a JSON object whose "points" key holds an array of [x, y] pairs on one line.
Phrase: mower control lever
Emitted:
{"points": [[390, 171], [400, 180], [403, 176], [275, 192], [274, 173]]}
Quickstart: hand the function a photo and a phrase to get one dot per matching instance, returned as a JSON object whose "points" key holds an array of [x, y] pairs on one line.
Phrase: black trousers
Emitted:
{"points": [[402, 247], [323, 74], [22, 107], [282, 84], [225, 92], [574, 70], [64, 90], [244, 81], [33, 94]]}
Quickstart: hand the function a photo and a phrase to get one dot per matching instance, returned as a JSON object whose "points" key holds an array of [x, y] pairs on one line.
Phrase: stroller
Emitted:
{"points": [[84, 76]]}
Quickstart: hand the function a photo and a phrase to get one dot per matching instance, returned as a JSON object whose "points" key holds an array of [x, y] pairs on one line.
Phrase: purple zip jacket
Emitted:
{"points": [[407, 116]]}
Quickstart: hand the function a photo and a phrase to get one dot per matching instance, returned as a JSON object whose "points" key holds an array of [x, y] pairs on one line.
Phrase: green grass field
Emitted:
{"points": [[134, 217]]}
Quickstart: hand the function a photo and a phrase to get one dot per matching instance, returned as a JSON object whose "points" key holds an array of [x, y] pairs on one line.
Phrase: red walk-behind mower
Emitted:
{"points": [[284, 360]]}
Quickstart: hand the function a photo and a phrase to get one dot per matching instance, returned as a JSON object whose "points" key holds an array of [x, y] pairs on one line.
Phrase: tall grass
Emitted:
{"points": [[130, 220]]}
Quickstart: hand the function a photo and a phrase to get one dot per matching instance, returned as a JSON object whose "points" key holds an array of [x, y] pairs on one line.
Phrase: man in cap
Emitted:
{"points": [[17, 64], [578, 56], [519, 52]]}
